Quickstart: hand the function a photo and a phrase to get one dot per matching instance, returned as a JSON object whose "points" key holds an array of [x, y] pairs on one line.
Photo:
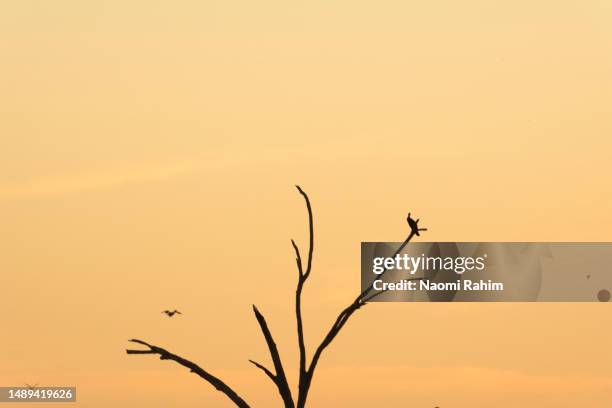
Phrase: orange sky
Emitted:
{"points": [[148, 155]]}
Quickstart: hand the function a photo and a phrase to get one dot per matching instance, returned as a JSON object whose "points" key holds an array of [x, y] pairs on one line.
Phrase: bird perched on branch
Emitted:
{"points": [[414, 225], [171, 313]]}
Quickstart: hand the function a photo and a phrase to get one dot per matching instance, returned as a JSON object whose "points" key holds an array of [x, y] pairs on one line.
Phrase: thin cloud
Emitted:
{"points": [[101, 179], [474, 379]]}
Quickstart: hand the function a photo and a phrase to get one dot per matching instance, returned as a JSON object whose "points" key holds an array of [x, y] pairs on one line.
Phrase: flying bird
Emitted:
{"points": [[31, 387], [414, 226], [171, 313]]}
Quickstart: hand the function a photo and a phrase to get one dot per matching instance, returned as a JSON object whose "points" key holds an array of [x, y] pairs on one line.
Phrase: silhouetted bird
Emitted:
{"points": [[414, 225], [31, 387], [171, 313]]}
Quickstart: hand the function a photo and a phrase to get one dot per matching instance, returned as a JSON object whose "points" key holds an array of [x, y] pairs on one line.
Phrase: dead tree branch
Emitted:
{"points": [[307, 371], [302, 277], [194, 368], [280, 379]]}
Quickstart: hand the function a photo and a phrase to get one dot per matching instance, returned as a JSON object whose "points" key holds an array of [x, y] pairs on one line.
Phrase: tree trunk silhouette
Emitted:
{"points": [[306, 369]]}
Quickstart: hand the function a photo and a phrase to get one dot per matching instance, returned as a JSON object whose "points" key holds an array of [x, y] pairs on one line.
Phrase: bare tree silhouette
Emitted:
{"points": [[306, 369]]}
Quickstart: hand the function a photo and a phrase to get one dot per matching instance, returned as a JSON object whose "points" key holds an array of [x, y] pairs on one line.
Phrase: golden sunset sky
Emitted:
{"points": [[147, 161]]}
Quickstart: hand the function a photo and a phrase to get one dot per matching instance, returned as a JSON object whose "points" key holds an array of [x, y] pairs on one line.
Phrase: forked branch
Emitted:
{"points": [[307, 370], [280, 379], [302, 277]]}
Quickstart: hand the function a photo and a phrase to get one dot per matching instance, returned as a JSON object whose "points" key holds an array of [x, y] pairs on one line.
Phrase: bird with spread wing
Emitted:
{"points": [[171, 313]]}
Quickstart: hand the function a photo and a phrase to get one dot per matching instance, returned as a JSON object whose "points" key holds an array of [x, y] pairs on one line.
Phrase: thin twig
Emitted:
{"points": [[265, 370]]}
